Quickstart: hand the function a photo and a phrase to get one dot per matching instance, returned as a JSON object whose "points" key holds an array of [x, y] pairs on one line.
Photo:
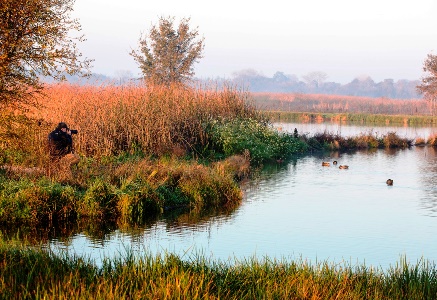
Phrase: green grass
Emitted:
{"points": [[354, 118], [121, 189], [31, 273]]}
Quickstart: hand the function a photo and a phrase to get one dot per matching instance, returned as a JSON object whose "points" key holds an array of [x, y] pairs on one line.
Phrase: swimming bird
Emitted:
{"points": [[343, 167], [389, 181], [325, 164], [334, 162]]}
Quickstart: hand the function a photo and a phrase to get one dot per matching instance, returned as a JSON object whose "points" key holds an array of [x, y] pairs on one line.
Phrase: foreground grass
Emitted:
{"points": [[29, 273]]}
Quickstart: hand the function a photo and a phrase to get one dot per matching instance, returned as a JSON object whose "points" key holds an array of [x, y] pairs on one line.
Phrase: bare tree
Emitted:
{"points": [[428, 87], [166, 55], [35, 41]]}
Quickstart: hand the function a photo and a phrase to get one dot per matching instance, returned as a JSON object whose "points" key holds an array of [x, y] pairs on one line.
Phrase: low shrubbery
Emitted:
{"points": [[329, 141], [261, 141]]}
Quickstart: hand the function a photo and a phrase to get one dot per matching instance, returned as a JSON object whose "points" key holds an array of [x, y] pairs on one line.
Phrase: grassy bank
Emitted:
{"points": [[128, 191], [29, 273], [355, 118]]}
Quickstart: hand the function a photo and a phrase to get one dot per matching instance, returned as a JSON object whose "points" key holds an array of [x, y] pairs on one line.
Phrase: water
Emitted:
{"points": [[302, 210], [346, 130]]}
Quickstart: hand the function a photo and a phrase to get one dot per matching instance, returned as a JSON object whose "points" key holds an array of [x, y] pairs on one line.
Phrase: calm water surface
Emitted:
{"points": [[301, 210]]}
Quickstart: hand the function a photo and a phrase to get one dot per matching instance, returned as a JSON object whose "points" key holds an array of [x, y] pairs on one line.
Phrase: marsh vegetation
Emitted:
{"points": [[147, 151]]}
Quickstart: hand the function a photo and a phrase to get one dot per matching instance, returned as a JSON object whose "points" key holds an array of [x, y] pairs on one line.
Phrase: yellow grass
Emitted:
{"points": [[155, 120]]}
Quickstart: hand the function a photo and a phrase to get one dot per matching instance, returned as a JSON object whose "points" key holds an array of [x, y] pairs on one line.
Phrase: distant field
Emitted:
{"points": [[318, 103]]}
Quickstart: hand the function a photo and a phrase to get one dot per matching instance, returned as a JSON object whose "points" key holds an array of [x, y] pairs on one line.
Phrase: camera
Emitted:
{"points": [[73, 131]]}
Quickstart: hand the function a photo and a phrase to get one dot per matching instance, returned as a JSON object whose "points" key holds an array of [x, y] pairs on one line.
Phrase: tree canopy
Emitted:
{"points": [[35, 41], [428, 87], [166, 54]]}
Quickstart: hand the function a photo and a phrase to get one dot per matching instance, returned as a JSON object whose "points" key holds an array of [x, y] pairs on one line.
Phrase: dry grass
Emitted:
{"points": [[340, 104], [155, 120]]}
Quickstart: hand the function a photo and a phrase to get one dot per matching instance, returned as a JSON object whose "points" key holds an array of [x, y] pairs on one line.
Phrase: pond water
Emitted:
{"points": [[301, 210]]}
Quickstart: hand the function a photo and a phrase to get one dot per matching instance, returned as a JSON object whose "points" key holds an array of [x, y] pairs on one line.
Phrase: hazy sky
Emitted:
{"points": [[343, 38]]}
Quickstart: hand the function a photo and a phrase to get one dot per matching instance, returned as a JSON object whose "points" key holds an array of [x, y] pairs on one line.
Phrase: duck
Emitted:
{"points": [[325, 164], [389, 181], [343, 167], [334, 162]]}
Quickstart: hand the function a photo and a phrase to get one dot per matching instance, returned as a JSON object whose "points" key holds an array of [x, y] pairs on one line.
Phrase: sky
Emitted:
{"points": [[383, 39]]}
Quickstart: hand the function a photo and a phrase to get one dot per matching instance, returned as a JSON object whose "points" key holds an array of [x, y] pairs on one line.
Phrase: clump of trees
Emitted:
{"points": [[36, 41], [167, 54], [316, 83]]}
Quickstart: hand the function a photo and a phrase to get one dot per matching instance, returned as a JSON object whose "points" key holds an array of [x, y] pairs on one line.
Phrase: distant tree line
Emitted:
{"points": [[315, 83]]}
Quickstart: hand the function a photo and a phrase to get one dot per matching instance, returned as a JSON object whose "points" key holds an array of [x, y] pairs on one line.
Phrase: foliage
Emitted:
{"points": [[314, 83], [166, 56], [35, 41], [21, 140], [330, 141], [428, 87], [260, 140]]}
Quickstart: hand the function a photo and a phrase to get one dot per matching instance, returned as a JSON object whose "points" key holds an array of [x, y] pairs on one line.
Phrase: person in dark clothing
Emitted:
{"points": [[62, 152], [60, 141]]}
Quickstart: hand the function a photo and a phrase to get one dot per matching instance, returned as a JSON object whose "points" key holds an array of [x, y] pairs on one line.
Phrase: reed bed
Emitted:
{"points": [[156, 120], [319, 103], [29, 273]]}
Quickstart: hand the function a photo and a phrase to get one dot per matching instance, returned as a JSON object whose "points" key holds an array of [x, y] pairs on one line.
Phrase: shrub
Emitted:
{"points": [[432, 140], [419, 141], [392, 140], [261, 140]]}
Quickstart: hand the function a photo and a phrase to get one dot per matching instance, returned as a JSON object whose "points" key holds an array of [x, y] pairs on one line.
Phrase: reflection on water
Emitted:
{"points": [[303, 210]]}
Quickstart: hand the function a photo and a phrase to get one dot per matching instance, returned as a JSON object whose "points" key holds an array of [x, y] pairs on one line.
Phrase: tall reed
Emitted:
{"points": [[156, 120]]}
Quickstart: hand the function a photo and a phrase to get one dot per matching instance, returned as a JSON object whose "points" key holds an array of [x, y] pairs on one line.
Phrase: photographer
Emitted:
{"points": [[61, 145]]}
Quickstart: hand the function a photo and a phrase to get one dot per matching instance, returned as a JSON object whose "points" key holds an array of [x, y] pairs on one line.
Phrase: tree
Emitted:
{"points": [[315, 78], [428, 87], [279, 77], [35, 41], [166, 55]]}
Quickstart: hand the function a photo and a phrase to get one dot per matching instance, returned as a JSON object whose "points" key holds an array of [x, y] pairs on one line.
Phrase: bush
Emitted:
{"points": [[261, 140]]}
